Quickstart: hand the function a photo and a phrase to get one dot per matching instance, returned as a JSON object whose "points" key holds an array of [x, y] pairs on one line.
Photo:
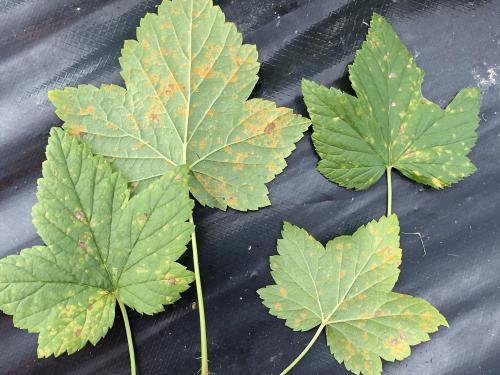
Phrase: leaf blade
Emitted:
{"points": [[389, 124], [193, 76], [349, 291], [66, 291]]}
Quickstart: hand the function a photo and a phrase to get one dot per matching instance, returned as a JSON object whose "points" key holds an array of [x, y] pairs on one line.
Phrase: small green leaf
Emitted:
{"points": [[389, 124], [100, 245], [347, 289], [188, 78]]}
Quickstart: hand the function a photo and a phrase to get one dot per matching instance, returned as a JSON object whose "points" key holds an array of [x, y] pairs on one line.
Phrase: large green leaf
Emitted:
{"points": [[347, 289], [389, 124], [100, 245], [187, 78]]}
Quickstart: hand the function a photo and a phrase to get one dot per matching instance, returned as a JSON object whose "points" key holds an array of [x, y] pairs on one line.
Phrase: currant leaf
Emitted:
{"points": [[188, 77], [389, 124], [101, 246], [346, 289]]}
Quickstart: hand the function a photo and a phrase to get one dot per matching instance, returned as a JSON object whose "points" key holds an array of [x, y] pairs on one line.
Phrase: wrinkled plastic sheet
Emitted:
{"points": [[48, 44]]}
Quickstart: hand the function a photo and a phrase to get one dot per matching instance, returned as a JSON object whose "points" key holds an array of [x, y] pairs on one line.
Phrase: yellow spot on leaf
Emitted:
{"points": [[397, 346], [427, 316], [437, 182]]}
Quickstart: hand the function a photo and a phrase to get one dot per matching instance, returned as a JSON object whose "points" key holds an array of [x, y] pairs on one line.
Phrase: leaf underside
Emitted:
{"points": [[188, 77], [100, 245], [389, 124], [347, 288]]}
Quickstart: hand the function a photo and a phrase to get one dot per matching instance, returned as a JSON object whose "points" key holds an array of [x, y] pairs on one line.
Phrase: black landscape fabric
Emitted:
{"points": [[46, 44]]}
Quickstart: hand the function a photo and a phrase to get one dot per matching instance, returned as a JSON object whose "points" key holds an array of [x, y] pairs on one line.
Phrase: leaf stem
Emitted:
{"points": [[304, 352], [129, 336], [201, 306], [389, 191]]}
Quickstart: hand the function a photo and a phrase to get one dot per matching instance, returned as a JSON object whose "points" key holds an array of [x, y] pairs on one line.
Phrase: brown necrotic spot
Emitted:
{"points": [[270, 128], [153, 116], [82, 244]]}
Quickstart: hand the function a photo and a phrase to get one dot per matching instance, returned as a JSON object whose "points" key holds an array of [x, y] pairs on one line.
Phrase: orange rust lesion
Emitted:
{"points": [[366, 365], [237, 60], [165, 26], [217, 188], [398, 346], [211, 112], [153, 116], [387, 253], [153, 78], [182, 110], [176, 11], [150, 60], [138, 145], [145, 44], [111, 125], [202, 145], [273, 168], [361, 297], [350, 349], [204, 71], [77, 130], [90, 110], [169, 90], [278, 307], [241, 157]]}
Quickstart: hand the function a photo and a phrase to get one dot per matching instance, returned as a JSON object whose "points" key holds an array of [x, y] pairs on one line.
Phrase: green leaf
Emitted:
{"points": [[100, 245], [389, 124], [187, 77], [347, 289]]}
